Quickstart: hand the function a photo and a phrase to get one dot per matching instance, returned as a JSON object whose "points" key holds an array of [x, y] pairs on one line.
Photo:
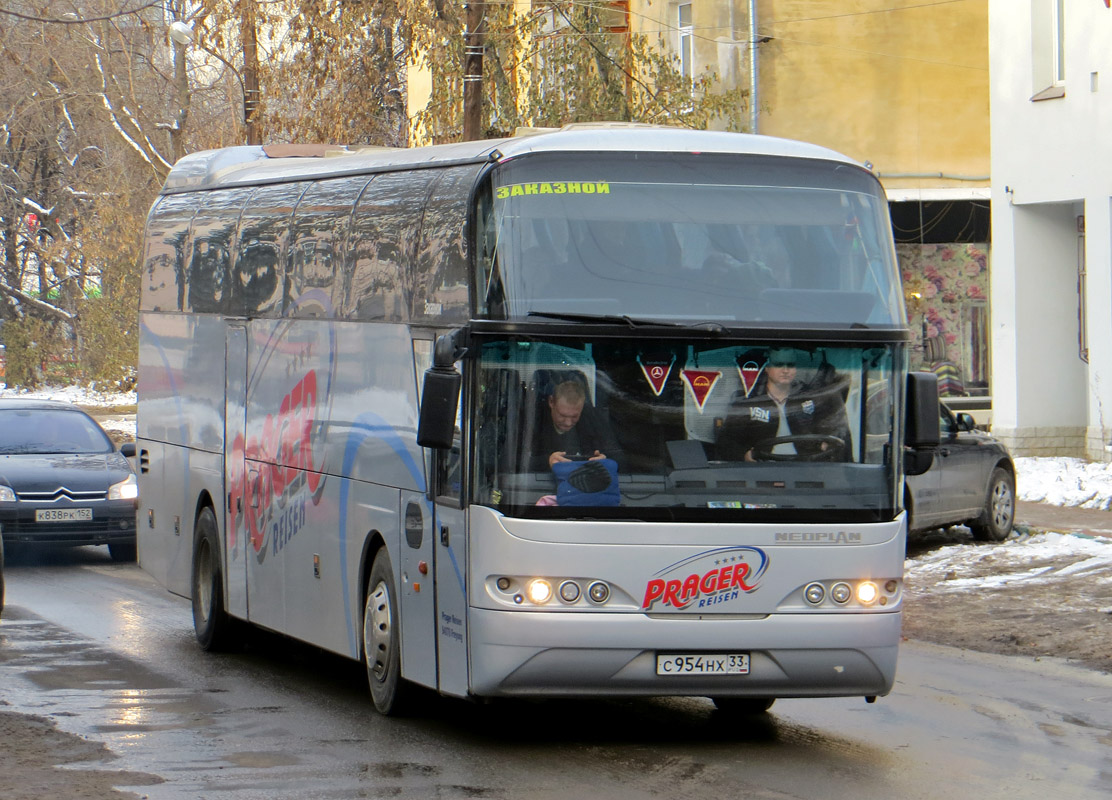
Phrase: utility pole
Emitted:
{"points": [[251, 92], [473, 46]]}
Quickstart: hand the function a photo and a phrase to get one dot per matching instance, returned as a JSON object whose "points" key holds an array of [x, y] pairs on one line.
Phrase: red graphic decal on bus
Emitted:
{"points": [[717, 576], [700, 382], [265, 496]]}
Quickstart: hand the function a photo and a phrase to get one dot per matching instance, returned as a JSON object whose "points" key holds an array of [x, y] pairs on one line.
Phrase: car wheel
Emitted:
{"points": [[122, 551], [381, 640], [211, 622], [743, 706], [996, 521]]}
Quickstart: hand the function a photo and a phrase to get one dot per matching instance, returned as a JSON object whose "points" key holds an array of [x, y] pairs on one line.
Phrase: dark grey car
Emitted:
{"points": [[971, 482], [62, 480]]}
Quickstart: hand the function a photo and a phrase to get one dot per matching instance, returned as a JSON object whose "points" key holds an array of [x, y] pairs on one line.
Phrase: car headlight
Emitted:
{"points": [[6, 494], [127, 489]]}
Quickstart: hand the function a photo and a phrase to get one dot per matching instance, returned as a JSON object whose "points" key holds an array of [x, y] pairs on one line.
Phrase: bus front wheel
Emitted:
{"points": [[381, 640], [211, 622]]}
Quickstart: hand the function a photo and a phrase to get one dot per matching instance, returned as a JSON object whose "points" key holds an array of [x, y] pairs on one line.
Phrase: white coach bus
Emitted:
{"points": [[508, 418]]}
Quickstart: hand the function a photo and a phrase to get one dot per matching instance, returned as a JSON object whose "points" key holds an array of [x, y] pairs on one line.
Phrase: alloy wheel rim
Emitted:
{"points": [[1001, 505]]}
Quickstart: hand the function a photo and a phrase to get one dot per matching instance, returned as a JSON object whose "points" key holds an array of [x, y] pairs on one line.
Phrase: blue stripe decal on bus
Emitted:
{"points": [[367, 426]]}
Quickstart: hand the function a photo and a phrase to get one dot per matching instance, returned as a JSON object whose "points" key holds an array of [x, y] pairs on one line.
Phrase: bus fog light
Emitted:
{"points": [[891, 587], [867, 593], [504, 583], [540, 591], [569, 591], [815, 592], [599, 592], [841, 593]]}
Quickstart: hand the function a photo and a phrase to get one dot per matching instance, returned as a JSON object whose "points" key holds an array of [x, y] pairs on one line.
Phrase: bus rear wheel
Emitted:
{"points": [[211, 622], [743, 706], [381, 640]]}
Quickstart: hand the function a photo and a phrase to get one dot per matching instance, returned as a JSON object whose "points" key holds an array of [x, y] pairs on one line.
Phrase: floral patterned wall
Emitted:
{"points": [[946, 289]]}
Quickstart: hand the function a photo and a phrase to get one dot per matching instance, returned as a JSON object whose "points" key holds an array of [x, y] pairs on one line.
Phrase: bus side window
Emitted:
{"points": [[440, 269], [257, 286], [318, 241], [165, 257], [213, 238], [384, 233]]}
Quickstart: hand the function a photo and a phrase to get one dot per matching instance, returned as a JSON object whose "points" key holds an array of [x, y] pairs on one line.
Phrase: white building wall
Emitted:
{"points": [[1051, 164]]}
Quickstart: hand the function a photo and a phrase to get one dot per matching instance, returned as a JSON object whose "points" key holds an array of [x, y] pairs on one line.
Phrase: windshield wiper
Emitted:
{"points": [[625, 319]]}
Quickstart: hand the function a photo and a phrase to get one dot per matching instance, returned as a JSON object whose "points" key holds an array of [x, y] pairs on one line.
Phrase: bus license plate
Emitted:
{"points": [[63, 514], [704, 664]]}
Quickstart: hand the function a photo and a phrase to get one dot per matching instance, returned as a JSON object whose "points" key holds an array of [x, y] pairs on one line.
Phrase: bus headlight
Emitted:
{"points": [[867, 593], [599, 592], [841, 593], [569, 591], [815, 592], [540, 591]]}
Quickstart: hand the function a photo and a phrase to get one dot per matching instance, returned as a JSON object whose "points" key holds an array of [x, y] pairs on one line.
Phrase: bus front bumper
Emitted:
{"points": [[790, 655]]}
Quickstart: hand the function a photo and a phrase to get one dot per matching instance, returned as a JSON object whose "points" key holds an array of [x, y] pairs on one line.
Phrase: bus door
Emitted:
{"points": [[235, 424], [451, 581], [416, 584]]}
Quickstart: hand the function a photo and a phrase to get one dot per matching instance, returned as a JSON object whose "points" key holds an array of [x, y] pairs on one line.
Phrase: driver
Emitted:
{"points": [[781, 407]]}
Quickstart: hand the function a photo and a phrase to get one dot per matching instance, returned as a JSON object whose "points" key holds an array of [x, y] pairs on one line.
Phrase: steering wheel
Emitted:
{"points": [[762, 451]]}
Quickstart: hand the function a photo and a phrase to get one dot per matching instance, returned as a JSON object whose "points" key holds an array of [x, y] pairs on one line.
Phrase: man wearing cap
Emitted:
{"points": [[781, 407]]}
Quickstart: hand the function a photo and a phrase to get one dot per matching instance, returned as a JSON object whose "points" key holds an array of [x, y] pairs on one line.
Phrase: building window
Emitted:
{"points": [[1048, 48], [687, 68]]}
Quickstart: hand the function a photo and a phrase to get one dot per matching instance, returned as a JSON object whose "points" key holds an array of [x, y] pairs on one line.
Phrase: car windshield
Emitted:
{"points": [[25, 431], [689, 429]]}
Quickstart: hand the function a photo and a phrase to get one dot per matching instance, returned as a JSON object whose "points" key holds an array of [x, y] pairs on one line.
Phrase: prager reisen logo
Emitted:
{"points": [[707, 579]]}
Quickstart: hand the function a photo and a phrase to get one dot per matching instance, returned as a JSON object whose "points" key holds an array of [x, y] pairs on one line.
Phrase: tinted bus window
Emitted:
{"points": [[257, 289], [318, 243], [440, 280], [164, 260], [213, 239], [385, 229], [732, 239]]}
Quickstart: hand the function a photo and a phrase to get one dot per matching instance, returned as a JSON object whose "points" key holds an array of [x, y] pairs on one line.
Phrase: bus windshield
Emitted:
{"points": [[733, 239], [675, 429]]}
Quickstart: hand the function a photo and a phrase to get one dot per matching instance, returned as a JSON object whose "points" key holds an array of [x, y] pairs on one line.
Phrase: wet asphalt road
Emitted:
{"points": [[106, 653]]}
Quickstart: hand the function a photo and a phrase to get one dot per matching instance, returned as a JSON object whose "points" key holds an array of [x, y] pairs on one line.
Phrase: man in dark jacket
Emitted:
{"points": [[569, 428], [814, 416]]}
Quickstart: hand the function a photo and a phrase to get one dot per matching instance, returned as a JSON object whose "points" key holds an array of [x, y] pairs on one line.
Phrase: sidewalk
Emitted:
{"points": [[1064, 519]]}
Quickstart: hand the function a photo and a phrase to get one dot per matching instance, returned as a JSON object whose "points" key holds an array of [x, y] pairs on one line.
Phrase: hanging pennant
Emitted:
{"points": [[656, 373], [750, 371], [700, 382]]}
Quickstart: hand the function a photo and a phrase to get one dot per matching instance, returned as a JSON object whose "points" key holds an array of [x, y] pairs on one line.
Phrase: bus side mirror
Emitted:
{"points": [[436, 427], [439, 402], [921, 430]]}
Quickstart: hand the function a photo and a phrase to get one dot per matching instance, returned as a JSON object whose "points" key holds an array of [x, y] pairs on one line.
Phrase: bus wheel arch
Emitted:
{"points": [[381, 637], [211, 622]]}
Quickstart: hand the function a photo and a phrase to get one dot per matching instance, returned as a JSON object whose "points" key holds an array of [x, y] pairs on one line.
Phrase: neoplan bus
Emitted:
{"points": [[347, 357]]}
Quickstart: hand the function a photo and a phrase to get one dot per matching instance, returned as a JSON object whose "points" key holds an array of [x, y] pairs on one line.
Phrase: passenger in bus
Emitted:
{"points": [[784, 419], [571, 429]]}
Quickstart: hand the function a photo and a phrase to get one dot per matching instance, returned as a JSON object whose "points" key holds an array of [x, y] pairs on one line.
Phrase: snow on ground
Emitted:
{"points": [[78, 395], [1065, 482]]}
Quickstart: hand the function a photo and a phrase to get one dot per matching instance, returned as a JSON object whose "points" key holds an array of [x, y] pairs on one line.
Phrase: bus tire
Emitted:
{"points": [[382, 641], [743, 706], [211, 622]]}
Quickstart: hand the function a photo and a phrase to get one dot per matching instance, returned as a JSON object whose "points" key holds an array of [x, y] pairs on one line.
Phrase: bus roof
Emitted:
{"points": [[250, 165]]}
